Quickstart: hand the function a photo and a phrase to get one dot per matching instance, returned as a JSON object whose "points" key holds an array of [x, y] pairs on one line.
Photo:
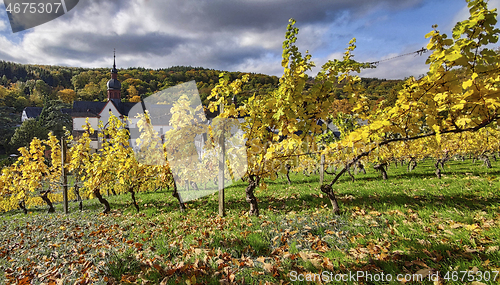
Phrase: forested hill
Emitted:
{"points": [[23, 85]]}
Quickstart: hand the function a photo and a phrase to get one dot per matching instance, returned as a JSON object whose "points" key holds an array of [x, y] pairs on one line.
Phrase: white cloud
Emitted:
{"points": [[270, 39], [266, 65], [335, 55], [3, 26]]}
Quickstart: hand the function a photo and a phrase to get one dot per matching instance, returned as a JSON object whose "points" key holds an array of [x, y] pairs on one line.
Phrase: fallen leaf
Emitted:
{"points": [[425, 272]]}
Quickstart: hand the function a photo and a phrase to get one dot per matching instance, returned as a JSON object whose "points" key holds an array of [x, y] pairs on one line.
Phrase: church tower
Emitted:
{"points": [[114, 86]]}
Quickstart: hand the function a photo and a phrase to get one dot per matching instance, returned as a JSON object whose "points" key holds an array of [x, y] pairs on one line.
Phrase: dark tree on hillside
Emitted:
{"points": [[23, 135], [55, 117], [8, 122]]}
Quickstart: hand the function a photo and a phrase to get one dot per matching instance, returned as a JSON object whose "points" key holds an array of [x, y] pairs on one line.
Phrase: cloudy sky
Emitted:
{"points": [[234, 35]]}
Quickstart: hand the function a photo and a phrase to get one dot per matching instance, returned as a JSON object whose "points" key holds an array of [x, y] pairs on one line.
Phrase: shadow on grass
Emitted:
{"points": [[302, 180], [410, 175], [463, 202], [437, 257]]}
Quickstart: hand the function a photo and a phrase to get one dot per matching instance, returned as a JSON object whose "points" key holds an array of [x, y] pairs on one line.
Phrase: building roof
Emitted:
{"points": [[67, 111], [87, 108], [32, 112], [93, 109], [160, 114], [123, 107]]}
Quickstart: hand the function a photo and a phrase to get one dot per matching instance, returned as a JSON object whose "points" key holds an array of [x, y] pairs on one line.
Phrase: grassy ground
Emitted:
{"points": [[412, 225]]}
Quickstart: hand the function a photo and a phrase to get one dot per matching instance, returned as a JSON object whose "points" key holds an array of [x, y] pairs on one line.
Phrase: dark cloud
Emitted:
{"points": [[216, 15], [233, 57], [219, 15], [101, 45]]}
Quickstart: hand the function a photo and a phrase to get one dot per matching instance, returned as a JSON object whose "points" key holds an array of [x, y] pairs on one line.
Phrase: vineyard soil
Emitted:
{"points": [[412, 222]]}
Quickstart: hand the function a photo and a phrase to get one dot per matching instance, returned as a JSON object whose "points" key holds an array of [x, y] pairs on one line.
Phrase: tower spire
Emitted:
{"points": [[114, 84], [114, 70]]}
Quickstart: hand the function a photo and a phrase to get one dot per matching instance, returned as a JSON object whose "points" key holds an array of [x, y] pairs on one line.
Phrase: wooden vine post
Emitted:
{"points": [[64, 177], [322, 170], [222, 161]]}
